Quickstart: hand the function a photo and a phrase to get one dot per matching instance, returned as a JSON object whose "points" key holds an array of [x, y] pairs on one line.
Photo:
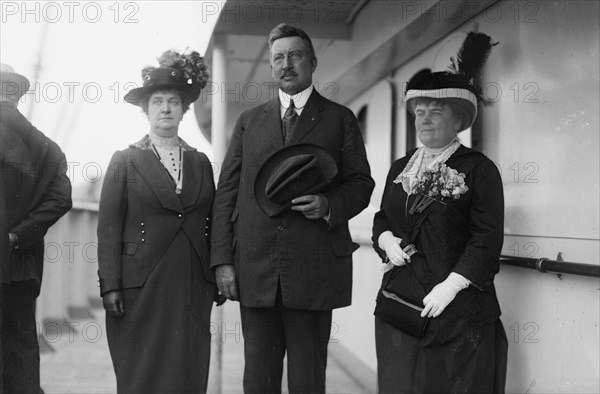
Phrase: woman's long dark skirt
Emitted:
{"points": [[162, 344], [452, 358]]}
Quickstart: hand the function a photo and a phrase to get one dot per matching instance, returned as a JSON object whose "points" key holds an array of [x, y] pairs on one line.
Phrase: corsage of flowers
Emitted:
{"points": [[434, 184]]}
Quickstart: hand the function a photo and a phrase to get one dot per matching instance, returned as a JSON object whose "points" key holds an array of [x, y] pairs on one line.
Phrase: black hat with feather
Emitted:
{"points": [[458, 85], [186, 73]]}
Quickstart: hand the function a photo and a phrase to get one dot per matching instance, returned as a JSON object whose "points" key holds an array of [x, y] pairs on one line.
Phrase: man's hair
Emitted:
{"points": [[185, 100], [284, 30]]}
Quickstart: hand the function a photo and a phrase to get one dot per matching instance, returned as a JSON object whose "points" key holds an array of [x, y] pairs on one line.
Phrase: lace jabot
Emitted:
{"points": [[413, 170]]}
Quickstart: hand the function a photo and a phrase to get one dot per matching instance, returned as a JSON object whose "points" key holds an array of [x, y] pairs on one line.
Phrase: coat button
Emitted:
{"points": [[280, 228], [143, 239], [180, 215], [143, 231], [142, 223]]}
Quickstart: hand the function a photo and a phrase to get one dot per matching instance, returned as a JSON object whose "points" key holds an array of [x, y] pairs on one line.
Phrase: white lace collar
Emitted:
{"points": [[413, 170]]}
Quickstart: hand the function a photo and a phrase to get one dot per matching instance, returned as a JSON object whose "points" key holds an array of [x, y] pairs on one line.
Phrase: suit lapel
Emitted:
{"points": [[155, 176], [192, 178], [271, 124], [309, 117]]}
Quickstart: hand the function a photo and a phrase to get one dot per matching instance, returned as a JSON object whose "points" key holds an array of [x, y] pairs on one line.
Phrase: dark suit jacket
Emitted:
{"points": [[36, 192], [464, 235], [140, 213], [310, 259]]}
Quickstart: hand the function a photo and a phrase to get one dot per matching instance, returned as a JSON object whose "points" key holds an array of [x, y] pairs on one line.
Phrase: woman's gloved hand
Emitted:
{"points": [[442, 294], [113, 303], [391, 245]]}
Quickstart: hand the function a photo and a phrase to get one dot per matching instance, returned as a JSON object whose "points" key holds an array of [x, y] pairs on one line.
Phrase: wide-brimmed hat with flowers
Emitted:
{"points": [[13, 84], [460, 84], [186, 73]]}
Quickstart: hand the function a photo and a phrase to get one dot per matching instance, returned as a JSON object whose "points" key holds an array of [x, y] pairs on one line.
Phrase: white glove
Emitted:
{"points": [[391, 246], [442, 294]]}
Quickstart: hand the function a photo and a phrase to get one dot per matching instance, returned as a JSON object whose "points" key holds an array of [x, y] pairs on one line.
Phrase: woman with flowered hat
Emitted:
{"points": [[153, 250], [440, 233]]}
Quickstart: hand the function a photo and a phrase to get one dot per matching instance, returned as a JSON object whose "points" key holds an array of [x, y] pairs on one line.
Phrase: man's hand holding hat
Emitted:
{"points": [[313, 206], [295, 177]]}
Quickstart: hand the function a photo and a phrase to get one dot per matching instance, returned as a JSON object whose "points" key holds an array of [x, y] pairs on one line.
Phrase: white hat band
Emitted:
{"points": [[442, 94], [446, 93]]}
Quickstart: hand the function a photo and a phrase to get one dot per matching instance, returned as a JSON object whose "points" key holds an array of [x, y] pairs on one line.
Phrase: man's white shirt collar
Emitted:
{"points": [[299, 98]]}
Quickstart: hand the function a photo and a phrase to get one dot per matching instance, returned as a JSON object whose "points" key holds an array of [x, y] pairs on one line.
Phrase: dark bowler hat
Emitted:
{"points": [[291, 172], [186, 73], [13, 84]]}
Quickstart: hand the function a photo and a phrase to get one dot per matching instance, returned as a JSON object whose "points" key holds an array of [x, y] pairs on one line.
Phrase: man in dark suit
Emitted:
{"points": [[290, 270], [36, 192]]}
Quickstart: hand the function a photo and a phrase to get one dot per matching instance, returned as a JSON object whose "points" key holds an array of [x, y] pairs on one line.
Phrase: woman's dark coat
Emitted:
{"points": [[153, 247], [464, 235], [140, 214]]}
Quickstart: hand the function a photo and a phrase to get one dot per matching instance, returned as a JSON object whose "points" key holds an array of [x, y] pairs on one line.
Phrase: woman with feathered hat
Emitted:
{"points": [[153, 255], [440, 233]]}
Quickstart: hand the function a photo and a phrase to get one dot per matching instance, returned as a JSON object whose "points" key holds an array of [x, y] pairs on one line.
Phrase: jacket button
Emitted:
{"points": [[280, 228], [142, 223], [180, 215], [143, 239], [143, 231]]}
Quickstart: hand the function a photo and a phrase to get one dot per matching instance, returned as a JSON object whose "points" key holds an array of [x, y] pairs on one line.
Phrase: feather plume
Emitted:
{"points": [[417, 79], [472, 55]]}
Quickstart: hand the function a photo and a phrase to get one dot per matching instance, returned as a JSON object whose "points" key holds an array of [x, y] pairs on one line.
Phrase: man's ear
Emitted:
{"points": [[314, 64]]}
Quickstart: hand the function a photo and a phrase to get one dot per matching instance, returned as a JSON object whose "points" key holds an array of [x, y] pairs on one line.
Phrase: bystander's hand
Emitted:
{"points": [[113, 303], [13, 241]]}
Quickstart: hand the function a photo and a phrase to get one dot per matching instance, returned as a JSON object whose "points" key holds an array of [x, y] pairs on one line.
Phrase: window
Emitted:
{"points": [[362, 122]]}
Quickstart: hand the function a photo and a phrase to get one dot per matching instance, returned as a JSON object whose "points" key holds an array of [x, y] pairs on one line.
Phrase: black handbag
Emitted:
{"points": [[397, 309]]}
